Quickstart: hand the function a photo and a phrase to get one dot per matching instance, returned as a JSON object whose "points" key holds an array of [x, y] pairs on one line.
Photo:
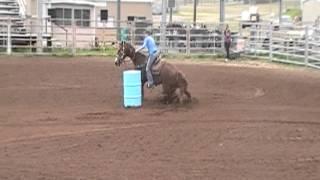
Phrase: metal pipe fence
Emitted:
{"points": [[289, 44]]}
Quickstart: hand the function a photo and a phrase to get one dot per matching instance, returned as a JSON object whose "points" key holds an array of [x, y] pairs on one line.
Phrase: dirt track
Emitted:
{"points": [[63, 119]]}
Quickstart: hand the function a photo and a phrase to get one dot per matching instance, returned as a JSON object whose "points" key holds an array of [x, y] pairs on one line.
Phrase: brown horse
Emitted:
{"points": [[163, 73]]}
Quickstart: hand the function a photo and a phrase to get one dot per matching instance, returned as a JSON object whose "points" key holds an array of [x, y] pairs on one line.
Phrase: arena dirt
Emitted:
{"points": [[63, 119]]}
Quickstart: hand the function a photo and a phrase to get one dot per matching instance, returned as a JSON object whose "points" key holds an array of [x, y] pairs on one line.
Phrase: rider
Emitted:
{"points": [[150, 44]]}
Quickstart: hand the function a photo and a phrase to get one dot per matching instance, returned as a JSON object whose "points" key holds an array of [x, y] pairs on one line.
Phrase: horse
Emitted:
{"points": [[164, 73]]}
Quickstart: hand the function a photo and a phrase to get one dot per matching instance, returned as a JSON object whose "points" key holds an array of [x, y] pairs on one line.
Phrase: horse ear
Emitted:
{"points": [[113, 44]]}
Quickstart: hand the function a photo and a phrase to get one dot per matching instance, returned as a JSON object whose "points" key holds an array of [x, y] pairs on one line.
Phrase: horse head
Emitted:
{"points": [[124, 50], [127, 50]]}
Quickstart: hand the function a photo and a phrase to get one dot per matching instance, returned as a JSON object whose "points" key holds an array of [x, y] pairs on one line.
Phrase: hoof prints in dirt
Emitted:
{"points": [[48, 119], [158, 103], [98, 115], [173, 108]]}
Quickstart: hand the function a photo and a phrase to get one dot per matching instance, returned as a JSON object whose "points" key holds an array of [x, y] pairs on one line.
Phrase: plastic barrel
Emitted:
{"points": [[132, 88]]}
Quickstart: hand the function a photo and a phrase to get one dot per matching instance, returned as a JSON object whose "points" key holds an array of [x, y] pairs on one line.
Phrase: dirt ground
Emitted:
{"points": [[63, 119]]}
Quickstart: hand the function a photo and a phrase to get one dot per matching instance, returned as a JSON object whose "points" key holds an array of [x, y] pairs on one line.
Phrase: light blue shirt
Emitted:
{"points": [[150, 44]]}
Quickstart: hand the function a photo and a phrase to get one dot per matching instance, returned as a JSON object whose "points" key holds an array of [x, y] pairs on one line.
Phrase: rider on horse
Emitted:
{"points": [[150, 44]]}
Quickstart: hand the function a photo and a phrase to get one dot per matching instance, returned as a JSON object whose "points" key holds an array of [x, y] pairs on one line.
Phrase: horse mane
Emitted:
{"points": [[137, 58]]}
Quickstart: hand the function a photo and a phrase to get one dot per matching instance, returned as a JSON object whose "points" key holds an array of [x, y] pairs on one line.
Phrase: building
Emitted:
{"points": [[73, 23], [310, 10], [95, 20], [70, 23], [131, 9]]}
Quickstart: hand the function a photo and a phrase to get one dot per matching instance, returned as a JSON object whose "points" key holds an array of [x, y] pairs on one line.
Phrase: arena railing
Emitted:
{"points": [[290, 44]]}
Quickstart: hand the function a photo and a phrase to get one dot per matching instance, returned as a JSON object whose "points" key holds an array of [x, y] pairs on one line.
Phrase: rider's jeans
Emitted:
{"points": [[151, 59]]}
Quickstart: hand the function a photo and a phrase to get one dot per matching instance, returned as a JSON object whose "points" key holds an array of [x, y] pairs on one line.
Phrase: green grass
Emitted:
{"points": [[61, 52], [293, 12], [97, 52], [2, 49]]}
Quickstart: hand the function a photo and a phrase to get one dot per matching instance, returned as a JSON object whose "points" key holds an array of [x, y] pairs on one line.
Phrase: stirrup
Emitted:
{"points": [[150, 86]]}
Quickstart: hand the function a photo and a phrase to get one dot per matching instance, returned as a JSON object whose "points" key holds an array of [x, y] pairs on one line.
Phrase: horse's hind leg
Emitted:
{"points": [[188, 94], [183, 91], [166, 94], [169, 93]]}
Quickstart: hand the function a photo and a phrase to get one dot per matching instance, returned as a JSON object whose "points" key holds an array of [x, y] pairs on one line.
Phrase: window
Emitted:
{"points": [[130, 18], [82, 17], [134, 18], [141, 18], [52, 13], [60, 16], [86, 18], [63, 16], [67, 16], [77, 17], [104, 15]]}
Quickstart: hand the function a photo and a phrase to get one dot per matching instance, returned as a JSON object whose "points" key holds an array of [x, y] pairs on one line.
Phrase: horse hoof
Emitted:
{"points": [[187, 101]]}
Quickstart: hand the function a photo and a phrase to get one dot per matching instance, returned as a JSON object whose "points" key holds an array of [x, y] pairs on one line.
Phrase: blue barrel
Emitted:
{"points": [[132, 88]]}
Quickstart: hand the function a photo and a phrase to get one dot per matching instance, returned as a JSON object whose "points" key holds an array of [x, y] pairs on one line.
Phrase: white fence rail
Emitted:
{"points": [[22, 7], [291, 44]]}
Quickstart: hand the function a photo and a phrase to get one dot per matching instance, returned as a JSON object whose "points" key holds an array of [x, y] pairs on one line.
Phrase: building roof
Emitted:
{"points": [[80, 2], [133, 1], [95, 2], [305, 1]]}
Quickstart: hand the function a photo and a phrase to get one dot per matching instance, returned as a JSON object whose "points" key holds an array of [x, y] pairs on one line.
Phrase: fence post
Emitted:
{"points": [[188, 41], [306, 48], [73, 38], [255, 39], [162, 35], [9, 48], [240, 29], [223, 48], [214, 43], [270, 42], [39, 35], [133, 35]]}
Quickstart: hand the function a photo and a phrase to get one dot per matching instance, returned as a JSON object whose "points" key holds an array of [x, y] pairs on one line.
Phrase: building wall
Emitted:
{"points": [[127, 9], [31, 7], [130, 9], [106, 35], [310, 11], [84, 37]]}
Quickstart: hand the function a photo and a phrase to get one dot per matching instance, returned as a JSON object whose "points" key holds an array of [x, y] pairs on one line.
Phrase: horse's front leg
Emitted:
{"points": [[171, 96], [174, 98], [142, 90]]}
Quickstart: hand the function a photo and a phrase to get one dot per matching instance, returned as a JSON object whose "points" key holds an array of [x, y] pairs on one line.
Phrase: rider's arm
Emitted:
{"points": [[143, 46]]}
